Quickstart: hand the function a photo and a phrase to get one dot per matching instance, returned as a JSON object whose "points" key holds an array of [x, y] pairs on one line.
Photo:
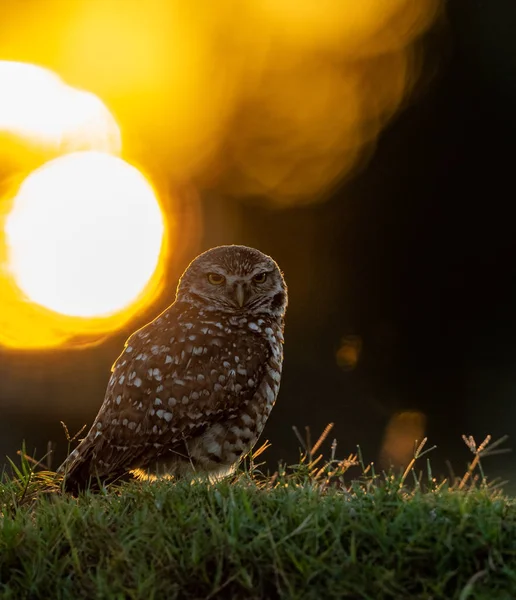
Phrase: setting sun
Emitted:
{"points": [[84, 235]]}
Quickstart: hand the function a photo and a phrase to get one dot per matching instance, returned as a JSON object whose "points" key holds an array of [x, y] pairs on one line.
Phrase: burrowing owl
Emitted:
{"points": [[192, 390]]}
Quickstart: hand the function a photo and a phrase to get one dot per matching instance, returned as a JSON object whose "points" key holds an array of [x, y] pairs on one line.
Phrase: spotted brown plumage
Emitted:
{"points": [[192, 390]]}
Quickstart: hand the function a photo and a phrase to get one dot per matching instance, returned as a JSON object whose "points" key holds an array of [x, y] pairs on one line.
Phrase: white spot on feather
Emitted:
{"points": [[269, 393], [246, 419], [274, 375]]}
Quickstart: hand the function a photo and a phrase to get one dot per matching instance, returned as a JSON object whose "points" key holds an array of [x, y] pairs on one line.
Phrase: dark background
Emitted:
{"points": [[416, 255]]}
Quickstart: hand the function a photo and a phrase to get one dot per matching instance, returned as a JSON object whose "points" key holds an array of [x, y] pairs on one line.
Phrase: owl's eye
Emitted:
{"points": [[260, 278], [216, 279]]}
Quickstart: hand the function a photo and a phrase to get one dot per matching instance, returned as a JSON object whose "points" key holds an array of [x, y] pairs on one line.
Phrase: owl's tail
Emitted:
{"points": [[80, 472], [76, 468]]}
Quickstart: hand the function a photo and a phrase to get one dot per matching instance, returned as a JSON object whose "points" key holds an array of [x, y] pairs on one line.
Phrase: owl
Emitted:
{"points": [[192, 390]]}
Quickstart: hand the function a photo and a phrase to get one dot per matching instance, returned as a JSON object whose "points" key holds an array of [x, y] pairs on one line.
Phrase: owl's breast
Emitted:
{"points": [[232, 354], [244, 364]]}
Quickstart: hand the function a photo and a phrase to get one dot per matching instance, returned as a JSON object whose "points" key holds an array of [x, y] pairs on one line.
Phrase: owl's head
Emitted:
{"points": [[234, 279]]}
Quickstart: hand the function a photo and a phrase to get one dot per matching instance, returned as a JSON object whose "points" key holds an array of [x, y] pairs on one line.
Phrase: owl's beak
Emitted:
{"points": [[240, 294]]}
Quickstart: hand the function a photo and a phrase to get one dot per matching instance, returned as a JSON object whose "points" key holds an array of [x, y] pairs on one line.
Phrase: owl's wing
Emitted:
{"points": [[175, 377]]}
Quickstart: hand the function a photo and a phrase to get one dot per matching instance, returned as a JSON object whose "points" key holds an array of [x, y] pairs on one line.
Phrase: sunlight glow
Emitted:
{"points": [[37, 106], [84, 235], [274, 100]]}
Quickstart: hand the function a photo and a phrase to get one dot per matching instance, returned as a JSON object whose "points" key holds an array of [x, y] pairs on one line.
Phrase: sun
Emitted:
{"points": [[85, 234]]}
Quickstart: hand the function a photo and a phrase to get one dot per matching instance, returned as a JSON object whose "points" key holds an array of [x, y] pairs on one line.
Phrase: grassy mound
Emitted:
{"points": [[302, 533]]}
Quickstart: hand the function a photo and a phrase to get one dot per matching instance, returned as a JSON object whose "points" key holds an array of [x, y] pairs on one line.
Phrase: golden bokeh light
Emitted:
{"points": [[276, 100], [155, 66], [349, 352], [404, 431], [336, 71], [266, 101], [81, 250], [38, 107], [360, 28]]}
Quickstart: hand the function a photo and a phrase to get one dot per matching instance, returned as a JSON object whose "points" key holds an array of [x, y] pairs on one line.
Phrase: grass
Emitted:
{"points": [[307, 531]]}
